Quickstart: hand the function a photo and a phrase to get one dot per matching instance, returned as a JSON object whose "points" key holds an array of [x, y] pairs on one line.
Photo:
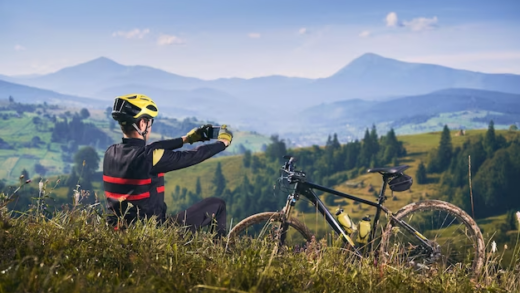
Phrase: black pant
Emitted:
{"points": [[204, 213]]}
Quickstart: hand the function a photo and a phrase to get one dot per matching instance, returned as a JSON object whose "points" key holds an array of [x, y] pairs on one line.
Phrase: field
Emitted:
{"points": [[454, 120], [19, 130]]}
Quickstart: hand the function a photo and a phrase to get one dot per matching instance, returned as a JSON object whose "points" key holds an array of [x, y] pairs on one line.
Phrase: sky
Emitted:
{"points": [[220, 39]]}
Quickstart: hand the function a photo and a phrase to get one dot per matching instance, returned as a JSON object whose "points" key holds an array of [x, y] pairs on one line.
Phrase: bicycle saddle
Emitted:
{"points": [[389, 170]]}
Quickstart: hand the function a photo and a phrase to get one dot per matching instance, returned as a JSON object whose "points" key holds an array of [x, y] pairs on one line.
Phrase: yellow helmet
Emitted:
{"points": [[130, 108]]}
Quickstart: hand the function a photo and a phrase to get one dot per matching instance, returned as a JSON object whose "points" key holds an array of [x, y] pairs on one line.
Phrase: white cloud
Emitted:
{"points": [[303, 31], [364, 34], [391, 19], [132, 34], [254, 35], [421, 23], [169, 40], [19, 48]]}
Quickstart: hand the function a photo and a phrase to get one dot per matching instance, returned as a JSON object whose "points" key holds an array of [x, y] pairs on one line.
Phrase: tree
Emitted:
{"points": [[37, 121], [35, 141], [86, 162], [219, 181], [513, 127], [111, 124], [277, 149], [247, 159], [241, 148], [198, 187], [329, 199], [11, 99], [442, 158], [25, 174], [420, 175], [40, 169], [256, 164], [108, 113], [490, 140], [84, 113]]}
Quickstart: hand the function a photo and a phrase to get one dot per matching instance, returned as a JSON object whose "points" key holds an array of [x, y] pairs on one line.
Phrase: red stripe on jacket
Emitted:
{"points": [[117, 180], [127, 196]]}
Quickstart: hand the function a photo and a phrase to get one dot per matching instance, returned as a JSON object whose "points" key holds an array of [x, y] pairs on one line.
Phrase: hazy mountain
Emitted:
{"points": [[359, 112], [368, 77], [203, 103], [270, 100], [26, 94], [90, 77], [372, 75]]}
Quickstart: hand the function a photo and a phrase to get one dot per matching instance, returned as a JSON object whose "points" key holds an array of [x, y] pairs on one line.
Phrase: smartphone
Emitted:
{"points": [[214, 132]]}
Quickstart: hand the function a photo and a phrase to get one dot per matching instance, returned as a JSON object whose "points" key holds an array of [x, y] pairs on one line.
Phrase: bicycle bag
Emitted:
{"points": [[401, 183]]}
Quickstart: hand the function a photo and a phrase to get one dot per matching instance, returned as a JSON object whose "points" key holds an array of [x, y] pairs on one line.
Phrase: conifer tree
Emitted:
{"points": [[219, 181], [198, 187], [247, 159], [490, 141], [442, 159], [420, 175]]}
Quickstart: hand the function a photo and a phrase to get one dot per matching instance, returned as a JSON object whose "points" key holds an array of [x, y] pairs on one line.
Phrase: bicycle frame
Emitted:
{"points": [[306, 189]]}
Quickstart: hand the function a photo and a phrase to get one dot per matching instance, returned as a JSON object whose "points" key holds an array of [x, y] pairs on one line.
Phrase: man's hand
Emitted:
{"points": [[225, 135], [198, 134]]}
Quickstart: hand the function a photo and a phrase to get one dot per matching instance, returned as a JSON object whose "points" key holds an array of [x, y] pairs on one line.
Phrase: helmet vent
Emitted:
{"points": [[131, 98], [145, 99], [151, 107]]}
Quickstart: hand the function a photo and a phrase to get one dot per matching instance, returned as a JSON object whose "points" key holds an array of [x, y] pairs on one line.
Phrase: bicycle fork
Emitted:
{"points": [[284, 225]]}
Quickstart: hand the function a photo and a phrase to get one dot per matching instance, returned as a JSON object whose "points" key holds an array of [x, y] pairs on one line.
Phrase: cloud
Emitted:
{"points": [[254, 35], [421, 23], [391, 19], [132, 34], [417, 24], [19, 48], [303, 31], [364, 34], [169, 40]]}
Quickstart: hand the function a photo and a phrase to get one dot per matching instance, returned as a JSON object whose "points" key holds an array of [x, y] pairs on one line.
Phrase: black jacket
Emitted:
{"points": [[134, 172]]}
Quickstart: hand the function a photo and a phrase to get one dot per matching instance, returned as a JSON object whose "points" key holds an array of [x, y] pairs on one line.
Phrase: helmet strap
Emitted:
{"points": [[142, 133]]}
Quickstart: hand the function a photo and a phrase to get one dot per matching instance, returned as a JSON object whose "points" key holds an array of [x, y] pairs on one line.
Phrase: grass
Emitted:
{"points": [[75, 251], [454, 120]]}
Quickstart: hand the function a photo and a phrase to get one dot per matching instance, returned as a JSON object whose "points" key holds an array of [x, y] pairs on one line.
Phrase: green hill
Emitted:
{"points": [[43, 138]]}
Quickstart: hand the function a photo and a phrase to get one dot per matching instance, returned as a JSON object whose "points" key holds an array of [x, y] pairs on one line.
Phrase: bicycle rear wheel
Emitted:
{"points": [[456, 237], [266, 225]]}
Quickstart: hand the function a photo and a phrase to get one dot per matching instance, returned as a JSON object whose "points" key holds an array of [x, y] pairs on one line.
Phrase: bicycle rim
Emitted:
{"points": [[456, 238], [265, 227]]}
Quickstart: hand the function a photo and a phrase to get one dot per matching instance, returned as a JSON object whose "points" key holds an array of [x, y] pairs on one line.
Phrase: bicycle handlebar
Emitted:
{"points": [[292, 175]]}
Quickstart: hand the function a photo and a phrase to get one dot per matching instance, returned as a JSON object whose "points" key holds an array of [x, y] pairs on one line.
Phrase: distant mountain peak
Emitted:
{"points": [[103, 61], [369, 56], [367, 61]]}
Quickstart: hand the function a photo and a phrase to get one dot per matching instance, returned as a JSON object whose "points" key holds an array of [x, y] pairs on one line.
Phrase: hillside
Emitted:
{"points": [[459, 108], [418, 149], [43, 138], [163, 259], [27, 94]]}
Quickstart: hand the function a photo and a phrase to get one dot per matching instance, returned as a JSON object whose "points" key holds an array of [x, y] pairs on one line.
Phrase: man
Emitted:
{"points": [[133, 172]]}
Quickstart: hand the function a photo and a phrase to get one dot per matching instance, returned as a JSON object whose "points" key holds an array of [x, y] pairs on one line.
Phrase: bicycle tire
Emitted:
{"points": [[437, 205], [266, 216]]}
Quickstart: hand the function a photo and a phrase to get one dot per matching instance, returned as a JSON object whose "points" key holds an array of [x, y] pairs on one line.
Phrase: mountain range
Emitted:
{"points": [[277, 102]]}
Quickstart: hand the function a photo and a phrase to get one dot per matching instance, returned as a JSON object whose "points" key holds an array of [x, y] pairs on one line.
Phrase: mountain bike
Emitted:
{"points": [[428, 234]]}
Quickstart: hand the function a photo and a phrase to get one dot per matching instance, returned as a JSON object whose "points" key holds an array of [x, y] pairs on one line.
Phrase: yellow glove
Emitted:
{"points": [[199, 134], [225, 134]]}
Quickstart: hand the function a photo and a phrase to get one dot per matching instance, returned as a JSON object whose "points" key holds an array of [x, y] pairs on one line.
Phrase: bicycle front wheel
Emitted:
{"points": [[455, 236], [266, 226]]}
